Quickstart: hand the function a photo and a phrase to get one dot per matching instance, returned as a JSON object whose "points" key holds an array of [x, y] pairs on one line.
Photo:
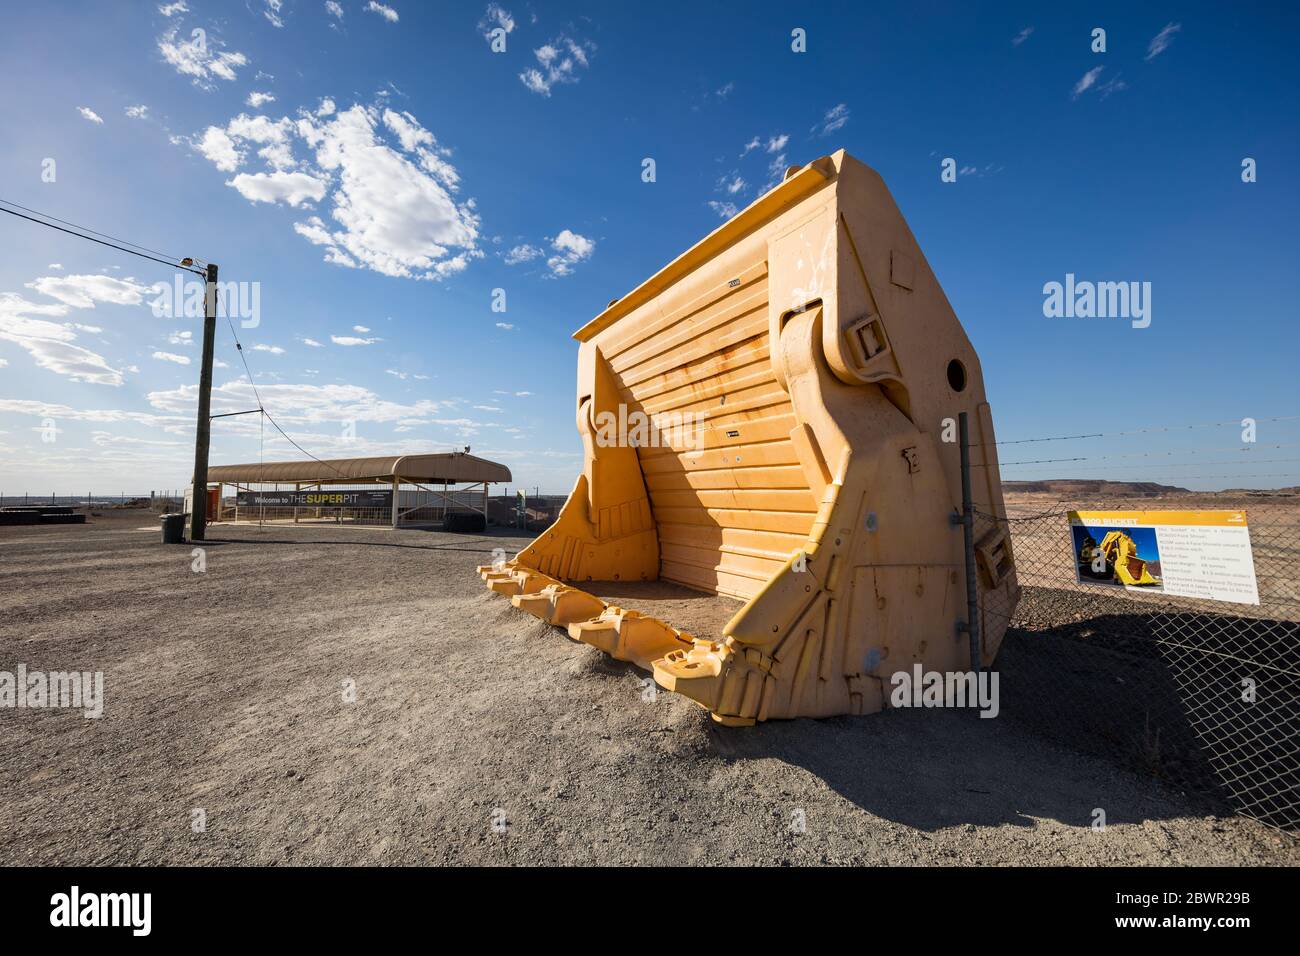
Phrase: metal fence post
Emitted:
{"points": [[968, 543]]}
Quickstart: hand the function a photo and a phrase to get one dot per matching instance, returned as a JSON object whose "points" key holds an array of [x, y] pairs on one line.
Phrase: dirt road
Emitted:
{"points": [[477, 734]]}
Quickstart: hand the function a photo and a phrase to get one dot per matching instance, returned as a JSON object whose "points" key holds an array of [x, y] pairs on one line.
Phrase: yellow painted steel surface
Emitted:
{"points": [[1121, 552], [819, 371]]}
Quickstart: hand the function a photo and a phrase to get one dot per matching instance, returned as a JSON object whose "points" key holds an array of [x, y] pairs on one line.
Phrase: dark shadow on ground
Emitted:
{"points": [[1095, 713], [927, 769], [935, 769], [1160, 691], [1111, 711]]}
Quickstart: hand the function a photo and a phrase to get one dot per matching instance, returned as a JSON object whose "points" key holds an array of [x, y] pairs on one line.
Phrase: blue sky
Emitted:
{"points": [[403, 171]]}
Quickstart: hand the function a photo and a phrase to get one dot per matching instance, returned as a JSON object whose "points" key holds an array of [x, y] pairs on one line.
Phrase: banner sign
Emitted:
{"points": [[1200, 554], [316, 499]]}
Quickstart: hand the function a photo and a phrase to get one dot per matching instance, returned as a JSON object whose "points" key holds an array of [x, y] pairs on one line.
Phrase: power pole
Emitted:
{"points": [[203, 434]]}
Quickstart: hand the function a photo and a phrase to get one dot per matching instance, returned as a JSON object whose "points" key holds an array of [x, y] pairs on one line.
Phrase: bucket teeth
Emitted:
{"points": [[488, 571], [710, 673], [630, 636], [696, 672], [518, 581], [560, 604], [720, 679]]}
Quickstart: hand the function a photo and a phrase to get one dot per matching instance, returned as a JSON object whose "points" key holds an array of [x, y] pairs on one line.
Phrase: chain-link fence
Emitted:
{"points": [[1203, 694]]}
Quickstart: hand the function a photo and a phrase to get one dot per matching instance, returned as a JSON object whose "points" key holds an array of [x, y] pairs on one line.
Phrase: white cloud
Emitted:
{"points": [[724, 209], [1087, 81], [272, 12], [3, 362], [388, 13], [775, 171], [292, 188], [217, 146], [181, 338], [836, 117], [199, 58], [1160, 42], [752, 145], [301, 403], [260, 129], [257, 100], [414, 138], [508, 326], [731, 183], [392, 204], [1022, 36], [313, 343], [102, 438], [50, 344], [360, 328], [777, 143], [351, 340], [496, 16], [557, 63], [1113, 85], [171, 9], [55, 265], [137, 112], [398, 218], [272, 349], [524, 252], [333, 9], [87, 113], [83, 291], [172, 357], [49, 410], [570, 249]]}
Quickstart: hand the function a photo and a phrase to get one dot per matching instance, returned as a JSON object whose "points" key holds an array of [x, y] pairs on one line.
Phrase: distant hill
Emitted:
{"points": [[1091, 486]]}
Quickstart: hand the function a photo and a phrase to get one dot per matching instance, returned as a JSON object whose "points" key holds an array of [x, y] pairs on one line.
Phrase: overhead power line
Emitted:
{"points": [[82, 233], [94, 232], [261, 407]]}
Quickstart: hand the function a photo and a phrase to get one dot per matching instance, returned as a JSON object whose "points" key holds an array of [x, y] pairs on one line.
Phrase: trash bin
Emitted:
{"points": [[173, 529]]}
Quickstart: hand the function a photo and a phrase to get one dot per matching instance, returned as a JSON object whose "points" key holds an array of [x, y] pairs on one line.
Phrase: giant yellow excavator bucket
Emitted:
{"points": [[1121, 552], [800, 371]]}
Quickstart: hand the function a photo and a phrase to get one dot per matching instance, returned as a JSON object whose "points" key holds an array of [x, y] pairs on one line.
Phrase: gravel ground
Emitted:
{"points": [[225, 692]]}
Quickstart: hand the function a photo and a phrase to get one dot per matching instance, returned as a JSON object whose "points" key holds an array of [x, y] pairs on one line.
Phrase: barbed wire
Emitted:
{"points": [[1151, 430], [1153, 454]]}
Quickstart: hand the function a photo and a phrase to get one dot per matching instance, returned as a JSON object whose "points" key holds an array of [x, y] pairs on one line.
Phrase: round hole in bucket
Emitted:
{"points": [[956, 376]]}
